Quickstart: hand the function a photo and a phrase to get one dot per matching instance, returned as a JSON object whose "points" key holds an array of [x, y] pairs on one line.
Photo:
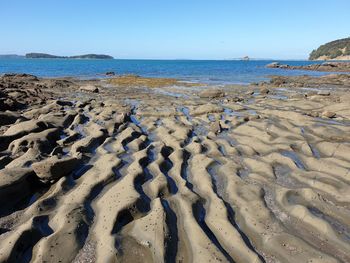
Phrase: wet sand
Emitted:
{"points": [[95, 171]]}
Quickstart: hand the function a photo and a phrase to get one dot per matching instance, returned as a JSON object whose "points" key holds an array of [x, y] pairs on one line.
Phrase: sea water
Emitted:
{"points": [[204, 71]]}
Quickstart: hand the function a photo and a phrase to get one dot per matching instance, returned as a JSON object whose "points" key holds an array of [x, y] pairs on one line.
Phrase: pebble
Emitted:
{"points": [[323, 93], [264, 91], [328, 114], [89, 88]]}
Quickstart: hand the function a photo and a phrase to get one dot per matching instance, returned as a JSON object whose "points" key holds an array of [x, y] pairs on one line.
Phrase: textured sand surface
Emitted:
{"points": [[137, 174]]}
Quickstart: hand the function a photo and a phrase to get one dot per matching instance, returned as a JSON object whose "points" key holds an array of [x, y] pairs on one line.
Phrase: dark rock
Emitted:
{"points": [[8, 117], [110, 73]]}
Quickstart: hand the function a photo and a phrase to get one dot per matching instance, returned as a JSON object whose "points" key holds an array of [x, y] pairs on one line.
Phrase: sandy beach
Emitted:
{"points": [[131, 169]]}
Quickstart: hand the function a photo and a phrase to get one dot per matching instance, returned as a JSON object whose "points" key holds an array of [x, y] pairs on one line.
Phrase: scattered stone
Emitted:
{"points": [[323, 93], [254, 117], [237, 99], [314, 114], [264, 91], [89, 88], [211, 93], [246, 118], [328, 114], [278, 81], [215, 127], [64, 103]]}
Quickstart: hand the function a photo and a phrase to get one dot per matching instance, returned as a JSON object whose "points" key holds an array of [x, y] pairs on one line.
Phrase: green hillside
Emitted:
{"points": [[332, 50]]}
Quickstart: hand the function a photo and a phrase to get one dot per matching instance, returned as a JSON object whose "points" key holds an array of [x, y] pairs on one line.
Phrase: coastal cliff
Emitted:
{"points": [[335, 50]]}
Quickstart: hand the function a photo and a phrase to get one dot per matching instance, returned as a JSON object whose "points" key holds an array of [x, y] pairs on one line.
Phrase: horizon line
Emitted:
{"points": [[190, 59]]}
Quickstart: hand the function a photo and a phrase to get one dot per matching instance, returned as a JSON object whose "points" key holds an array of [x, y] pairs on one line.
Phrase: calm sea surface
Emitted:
{"points": [[206, 71]]}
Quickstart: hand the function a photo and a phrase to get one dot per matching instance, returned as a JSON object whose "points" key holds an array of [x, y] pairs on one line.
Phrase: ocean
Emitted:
{"points": [[204, 71]]}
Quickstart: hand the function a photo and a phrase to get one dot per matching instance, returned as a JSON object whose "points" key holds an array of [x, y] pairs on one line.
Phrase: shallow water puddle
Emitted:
{"points": [[171, 93], [295, 158], [185, 111], [340, 228]]}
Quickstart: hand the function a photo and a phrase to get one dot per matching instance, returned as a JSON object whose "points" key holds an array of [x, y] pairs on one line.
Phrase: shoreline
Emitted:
{"points": [[329, 66]]}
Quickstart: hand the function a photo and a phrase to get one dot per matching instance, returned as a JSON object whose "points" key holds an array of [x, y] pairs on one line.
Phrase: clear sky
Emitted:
{"points": [[174, 29]]}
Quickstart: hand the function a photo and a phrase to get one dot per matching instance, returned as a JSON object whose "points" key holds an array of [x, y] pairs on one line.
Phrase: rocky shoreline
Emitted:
{"points": [[325, 66], [147, 170]]}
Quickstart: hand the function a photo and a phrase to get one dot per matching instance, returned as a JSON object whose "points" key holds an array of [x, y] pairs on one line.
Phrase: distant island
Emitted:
{"points": [[10, 56], [87, 56], [335, 50]]}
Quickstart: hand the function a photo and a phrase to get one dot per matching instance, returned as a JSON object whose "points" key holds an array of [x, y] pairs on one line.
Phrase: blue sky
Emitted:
{"points": [[173, 29]]}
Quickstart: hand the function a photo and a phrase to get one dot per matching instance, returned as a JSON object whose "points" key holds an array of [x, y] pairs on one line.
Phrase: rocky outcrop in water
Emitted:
{"points": [[326, 66]]}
